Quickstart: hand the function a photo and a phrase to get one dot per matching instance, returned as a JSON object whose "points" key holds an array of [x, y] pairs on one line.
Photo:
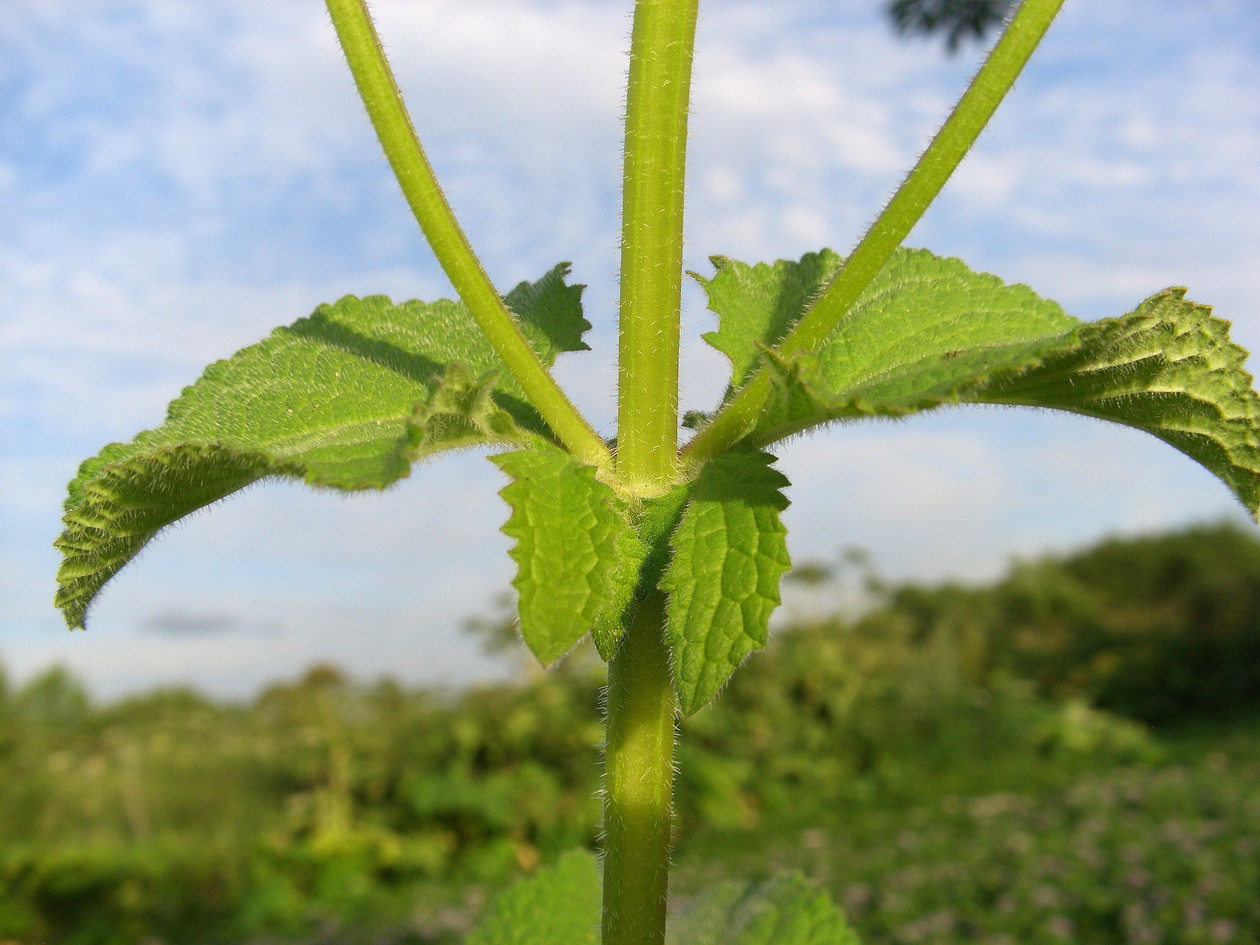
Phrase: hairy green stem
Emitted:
{"points": [[641, 708], [652, 241], [638, 782], [385, 108], [907, 206]]}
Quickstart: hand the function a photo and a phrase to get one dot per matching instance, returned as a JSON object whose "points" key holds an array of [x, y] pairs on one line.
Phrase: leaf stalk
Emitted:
{"points": [[934, 168], [383, 100]]}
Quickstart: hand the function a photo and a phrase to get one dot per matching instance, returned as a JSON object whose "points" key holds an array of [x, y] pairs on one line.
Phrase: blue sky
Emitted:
{"points": [[176, 179]]}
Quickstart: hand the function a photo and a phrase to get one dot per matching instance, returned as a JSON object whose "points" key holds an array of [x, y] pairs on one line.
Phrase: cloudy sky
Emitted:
{"points": [[177, 178]]}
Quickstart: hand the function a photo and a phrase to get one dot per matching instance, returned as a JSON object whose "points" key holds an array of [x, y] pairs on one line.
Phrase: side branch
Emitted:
{"points": [[970, 116], [383, 100]]}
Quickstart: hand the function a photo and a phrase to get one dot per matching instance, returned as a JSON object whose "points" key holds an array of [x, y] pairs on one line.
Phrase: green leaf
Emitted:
{"points": [[783, 911], [655, 524], [577, 557], [1168, 368], [930, 332], [557, 905], [729, 551], [757, 305], [905, 333], [348, 398]]}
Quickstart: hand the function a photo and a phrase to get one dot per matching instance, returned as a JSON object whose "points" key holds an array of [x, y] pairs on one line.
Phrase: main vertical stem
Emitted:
{"points": [[639, 744], [657, 99], [638, 783]]}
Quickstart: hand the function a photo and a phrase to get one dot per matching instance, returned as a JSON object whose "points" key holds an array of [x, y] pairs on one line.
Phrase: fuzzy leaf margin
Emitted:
{"points": [[577, 556], [346, 398], [1168, 368], [729, 551]]}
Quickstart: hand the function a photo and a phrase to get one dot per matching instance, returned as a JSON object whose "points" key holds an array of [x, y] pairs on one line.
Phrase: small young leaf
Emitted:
{"points": [[577, 557], [346, 398], [783, 911], [557, 905], [729, 551], [653, 524]]}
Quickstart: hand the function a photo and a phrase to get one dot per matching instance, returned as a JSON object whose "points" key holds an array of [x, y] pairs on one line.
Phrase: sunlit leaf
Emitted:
{"points": [[577, 557], [348, 398], [929, 332], [728, 553]]}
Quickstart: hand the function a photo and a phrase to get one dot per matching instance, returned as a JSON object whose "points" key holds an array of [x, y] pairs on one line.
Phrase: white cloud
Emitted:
{"points": [[514, 68], [288, 634], [1125, 173]]}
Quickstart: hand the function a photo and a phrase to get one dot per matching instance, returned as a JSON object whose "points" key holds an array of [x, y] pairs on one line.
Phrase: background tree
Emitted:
{"points": [[957, 19]]}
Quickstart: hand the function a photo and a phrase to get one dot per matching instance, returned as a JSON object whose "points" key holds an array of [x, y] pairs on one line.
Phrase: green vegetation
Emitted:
{"points": [[1161, 629], [942, 780], [668, 558]]}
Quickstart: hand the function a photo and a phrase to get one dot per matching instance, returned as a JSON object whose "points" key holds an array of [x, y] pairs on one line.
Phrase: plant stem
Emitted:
{"points": [[641, 706], [638, 782], [652, 241], [907, 206], [384, 103]]}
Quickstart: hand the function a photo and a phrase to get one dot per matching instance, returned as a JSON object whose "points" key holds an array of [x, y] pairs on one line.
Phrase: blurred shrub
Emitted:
{"points": [[836, 711], [324, 802], [1123, 855], [1163, 628]]}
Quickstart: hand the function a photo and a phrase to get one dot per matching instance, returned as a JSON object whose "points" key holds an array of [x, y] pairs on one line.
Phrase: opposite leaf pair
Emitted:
{"points": [[586, 558], [927, 332]]}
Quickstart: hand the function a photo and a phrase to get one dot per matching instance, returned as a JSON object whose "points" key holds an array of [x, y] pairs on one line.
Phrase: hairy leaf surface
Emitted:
{"points": [[577, 557], [653, 524], [907, 331], [1168, 368], [782, 911], [348, 397], [757, 305], [929, 332], [557, 905], [729, 551]]}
